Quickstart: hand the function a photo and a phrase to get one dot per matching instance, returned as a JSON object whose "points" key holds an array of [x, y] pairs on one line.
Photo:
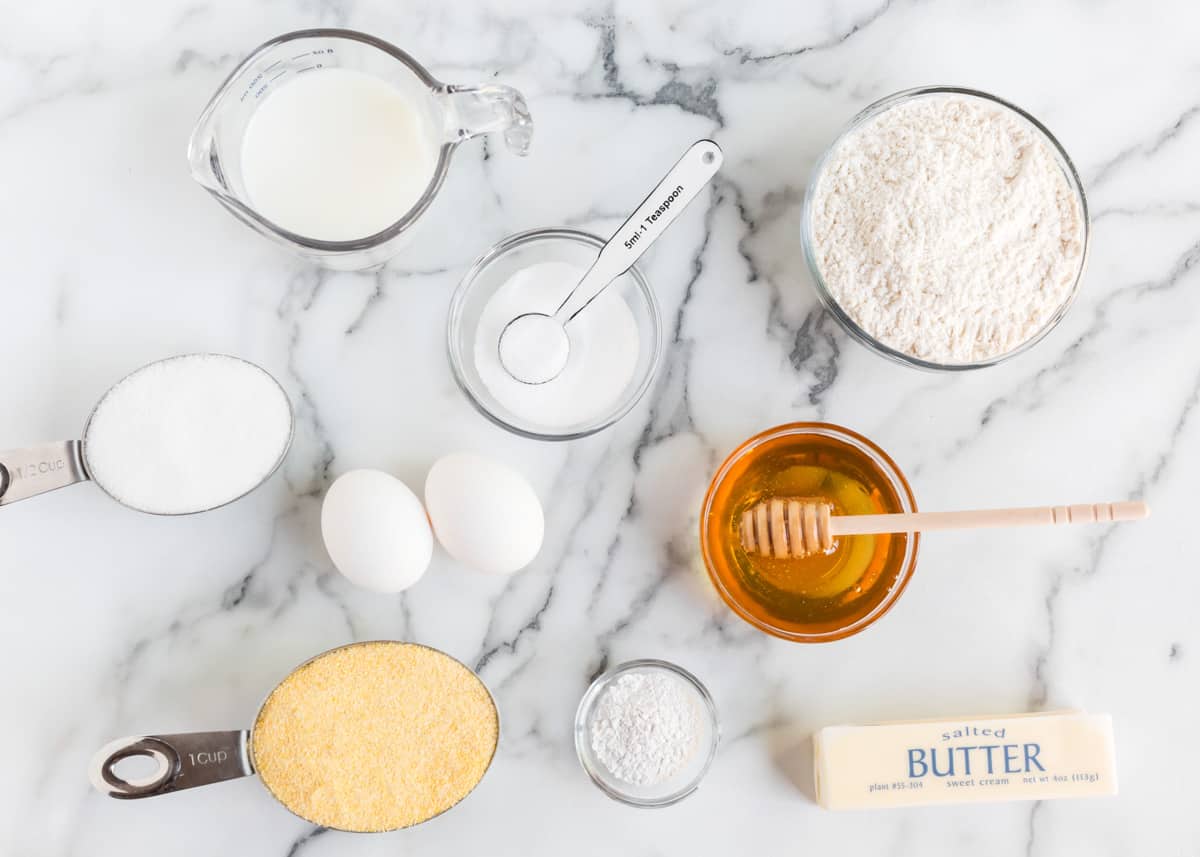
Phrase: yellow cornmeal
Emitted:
{"points": [[375, 736]]}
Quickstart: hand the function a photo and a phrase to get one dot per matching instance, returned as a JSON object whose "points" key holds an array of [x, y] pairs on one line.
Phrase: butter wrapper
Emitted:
{"points": [[1005, 757]]}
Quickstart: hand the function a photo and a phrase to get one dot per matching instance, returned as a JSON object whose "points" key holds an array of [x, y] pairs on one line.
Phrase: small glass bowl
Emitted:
{"points": [[737, 462], [674, 789], [835, 309], [492, 270]]}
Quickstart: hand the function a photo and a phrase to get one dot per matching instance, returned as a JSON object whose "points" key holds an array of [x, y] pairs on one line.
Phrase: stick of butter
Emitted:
{"points": [[1007, 757]]}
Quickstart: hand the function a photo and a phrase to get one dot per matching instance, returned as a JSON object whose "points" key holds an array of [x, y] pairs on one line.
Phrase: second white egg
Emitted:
{"points": [[485, 514]]}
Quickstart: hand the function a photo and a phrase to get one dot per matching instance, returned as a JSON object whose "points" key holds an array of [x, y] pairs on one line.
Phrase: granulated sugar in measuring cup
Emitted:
{"points": [[364, 738], [334, 142], [186, 434]]}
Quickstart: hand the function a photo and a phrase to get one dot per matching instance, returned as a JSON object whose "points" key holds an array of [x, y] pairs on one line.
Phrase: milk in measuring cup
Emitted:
{"points": [[336, 154]]}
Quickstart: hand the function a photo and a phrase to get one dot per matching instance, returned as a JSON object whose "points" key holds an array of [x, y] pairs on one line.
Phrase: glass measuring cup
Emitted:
{"points": [[451, 115], [34, 470], [191, 759]]}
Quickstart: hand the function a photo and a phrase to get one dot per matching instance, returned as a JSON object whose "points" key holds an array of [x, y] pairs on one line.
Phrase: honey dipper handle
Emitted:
{"points": [[847, 525]]}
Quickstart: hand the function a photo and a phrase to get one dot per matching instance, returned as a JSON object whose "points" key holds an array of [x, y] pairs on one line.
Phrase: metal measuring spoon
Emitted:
{"points": [[38, 469], [534, 347]]}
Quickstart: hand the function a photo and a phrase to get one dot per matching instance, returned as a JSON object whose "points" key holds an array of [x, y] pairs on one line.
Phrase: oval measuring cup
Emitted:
{"points": [[191, 759], [154, 428], [449, 115]]}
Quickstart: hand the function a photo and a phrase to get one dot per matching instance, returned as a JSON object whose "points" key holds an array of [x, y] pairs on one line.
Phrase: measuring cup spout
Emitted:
{"points": [[35, 470], [202, 158], [183, 761], [474, 110]]}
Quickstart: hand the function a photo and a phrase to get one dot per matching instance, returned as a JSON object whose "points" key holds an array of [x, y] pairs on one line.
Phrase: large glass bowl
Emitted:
{"points": [[492, 270], [807, 241]]}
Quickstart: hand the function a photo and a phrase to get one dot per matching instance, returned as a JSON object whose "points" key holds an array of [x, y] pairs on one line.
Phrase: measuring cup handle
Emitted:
{"points": [[659, 210], [184, 761], [35, 470], [474, 110]]}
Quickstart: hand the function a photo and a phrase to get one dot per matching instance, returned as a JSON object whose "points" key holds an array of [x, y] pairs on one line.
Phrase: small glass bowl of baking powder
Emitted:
{"points": [[650, 721], [616, 341], [1050, 315]]}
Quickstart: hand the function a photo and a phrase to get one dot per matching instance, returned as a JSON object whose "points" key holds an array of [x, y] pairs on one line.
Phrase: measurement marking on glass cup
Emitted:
{"points": [[298, 56], [276, 77], [272, 65], [250, 87]]}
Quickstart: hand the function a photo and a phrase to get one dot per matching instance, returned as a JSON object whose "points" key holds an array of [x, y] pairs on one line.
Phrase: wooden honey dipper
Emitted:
{"points": [[796, 527]]}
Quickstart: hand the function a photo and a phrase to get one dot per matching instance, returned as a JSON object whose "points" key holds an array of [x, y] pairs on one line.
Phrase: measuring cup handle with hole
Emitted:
{"points": [[35, 470], [183, 761]]}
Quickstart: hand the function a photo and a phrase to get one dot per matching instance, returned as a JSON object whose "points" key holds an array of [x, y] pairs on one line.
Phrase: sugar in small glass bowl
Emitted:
{"points": [[694, 760], [471, 322]]}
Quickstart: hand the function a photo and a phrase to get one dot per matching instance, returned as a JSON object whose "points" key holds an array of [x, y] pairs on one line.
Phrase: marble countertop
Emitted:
{"points": [[116, 623]]}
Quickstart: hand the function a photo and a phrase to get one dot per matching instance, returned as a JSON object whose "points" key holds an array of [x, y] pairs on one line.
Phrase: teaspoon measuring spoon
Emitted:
{"points": [[534, 347]]}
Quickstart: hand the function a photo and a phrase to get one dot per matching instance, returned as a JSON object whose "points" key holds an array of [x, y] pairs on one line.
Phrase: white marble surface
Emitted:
{"points": [[116, 623]]}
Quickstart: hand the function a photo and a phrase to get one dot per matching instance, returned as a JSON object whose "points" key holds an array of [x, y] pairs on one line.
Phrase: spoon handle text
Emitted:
{"points": [[659, 210]]}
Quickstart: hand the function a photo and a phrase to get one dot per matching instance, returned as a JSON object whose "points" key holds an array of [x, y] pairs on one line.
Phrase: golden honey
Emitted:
{"points": [[824, 596]]}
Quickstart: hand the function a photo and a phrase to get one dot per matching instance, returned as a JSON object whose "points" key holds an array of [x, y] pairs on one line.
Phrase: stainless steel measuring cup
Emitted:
{"points": [[456, 113], [190, 759], [46, 467]]}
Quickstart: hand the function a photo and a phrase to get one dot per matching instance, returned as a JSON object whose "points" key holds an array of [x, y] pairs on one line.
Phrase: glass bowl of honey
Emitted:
{"points": [[828, 595]]}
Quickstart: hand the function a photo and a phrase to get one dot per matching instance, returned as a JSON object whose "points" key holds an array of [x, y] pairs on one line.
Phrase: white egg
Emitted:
{"points": [[485, 514], [376, 531]]}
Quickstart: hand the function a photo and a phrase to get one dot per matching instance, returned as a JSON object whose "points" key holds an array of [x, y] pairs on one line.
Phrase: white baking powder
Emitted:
{"points": [[188, 434], [945, 228], [647, 726], [604, 348]]}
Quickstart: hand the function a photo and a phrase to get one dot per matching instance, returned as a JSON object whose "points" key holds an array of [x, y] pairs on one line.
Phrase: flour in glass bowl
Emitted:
{"points": [[945, 227]]}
